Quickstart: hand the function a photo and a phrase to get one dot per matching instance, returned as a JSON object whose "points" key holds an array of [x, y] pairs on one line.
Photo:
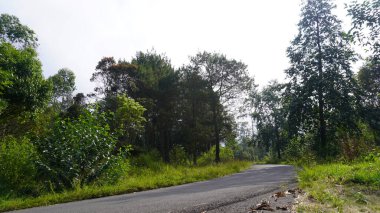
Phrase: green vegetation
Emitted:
{"points": [[149, 124], [343, 187], [155, 174]]}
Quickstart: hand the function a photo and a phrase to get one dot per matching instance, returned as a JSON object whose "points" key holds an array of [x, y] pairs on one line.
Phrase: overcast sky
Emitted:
{"points": [[77, 33]]}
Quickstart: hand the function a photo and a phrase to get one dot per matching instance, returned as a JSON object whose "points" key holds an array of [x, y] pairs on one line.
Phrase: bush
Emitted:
{"points": [[226, 154], [151, 159], [75, 152], [119, 166], [17, 167], [299, 152], [178, 156]]}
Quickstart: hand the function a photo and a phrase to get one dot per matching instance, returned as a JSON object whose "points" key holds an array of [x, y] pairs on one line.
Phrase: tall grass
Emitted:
{"points": [[138, 178], [344, 185]]}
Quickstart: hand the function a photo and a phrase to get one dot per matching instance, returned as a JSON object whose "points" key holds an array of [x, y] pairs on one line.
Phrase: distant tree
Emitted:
{"points": [[63, 87], [115, 78], [77, 108], [321, 85], [269, 117], [228, 78], [13, 32]]}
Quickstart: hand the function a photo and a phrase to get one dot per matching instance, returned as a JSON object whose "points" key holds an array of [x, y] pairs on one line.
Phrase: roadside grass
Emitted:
{"points": [[137, 179], [340, 187]]}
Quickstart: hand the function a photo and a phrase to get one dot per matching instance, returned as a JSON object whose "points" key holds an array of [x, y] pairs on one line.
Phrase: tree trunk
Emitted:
{"points": [[215, 114], [278, 143], [321, 117]]}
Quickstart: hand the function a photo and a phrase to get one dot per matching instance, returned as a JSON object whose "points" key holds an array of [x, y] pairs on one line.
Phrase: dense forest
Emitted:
{"points": [[207, 110]]}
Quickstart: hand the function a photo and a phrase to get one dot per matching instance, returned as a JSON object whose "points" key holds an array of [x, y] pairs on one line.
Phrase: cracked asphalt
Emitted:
{"points": [[233, 193]]}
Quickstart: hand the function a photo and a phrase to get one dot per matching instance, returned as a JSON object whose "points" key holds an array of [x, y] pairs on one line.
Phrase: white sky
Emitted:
{"points": [[77, 33]]}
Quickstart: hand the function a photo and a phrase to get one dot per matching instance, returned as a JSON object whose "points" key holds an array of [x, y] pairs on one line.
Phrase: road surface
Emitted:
{"points": [[233, 193]]}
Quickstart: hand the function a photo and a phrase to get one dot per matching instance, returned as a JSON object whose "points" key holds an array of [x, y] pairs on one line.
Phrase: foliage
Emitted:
{"points": [[17, 167], [208, 157], [12, 31], [128, 120], [116, 78], [76, 151], [27, 90], [365, 15], [228, 79], [268, 116], [320, 58], [63, 87], [178, 155], [158, 93], [151, 159]]}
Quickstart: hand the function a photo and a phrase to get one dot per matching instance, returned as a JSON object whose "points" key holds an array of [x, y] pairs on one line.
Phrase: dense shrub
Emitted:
{"points": [[151, 159], [178, 155], [226, 154], [17, 166], [75, 152]]}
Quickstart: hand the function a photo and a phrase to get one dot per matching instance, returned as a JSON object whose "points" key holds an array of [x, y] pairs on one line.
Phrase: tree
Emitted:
{"points": [[366, 15], [157, 84], [115, 78], [128, 120], [27, 91], [63, 87], [227, 78], [195, 115], [269, 117], [369, 81], [13, 32], [321, 89]]}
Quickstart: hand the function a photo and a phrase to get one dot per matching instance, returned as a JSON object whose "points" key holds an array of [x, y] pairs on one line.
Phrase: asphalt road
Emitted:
{"points": [[217, 195]]}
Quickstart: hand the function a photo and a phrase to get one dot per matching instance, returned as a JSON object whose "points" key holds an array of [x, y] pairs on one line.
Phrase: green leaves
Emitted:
{"points": [[17, 166], [12, 31], [76, 151], [322, 91]]}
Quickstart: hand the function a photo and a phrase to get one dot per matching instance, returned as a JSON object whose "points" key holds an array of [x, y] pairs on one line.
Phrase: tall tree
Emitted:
{"points": [[195, 114], [157, 84], [321, 84], [228, 78]]}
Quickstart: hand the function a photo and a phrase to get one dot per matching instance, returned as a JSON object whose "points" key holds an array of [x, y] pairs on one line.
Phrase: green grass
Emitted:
{"points": [[137, 179], [343, 187]]}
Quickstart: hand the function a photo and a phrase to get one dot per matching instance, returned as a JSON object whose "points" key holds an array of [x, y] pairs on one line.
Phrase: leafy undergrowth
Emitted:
{"points": [[338, 187], [137, 179]]}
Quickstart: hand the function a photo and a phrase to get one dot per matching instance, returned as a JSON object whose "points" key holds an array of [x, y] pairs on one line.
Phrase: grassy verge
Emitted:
{"points": [[338, 187], [138, 179]]}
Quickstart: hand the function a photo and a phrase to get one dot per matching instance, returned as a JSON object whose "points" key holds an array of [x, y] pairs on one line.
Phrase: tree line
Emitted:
{"points": [[322, 110]]}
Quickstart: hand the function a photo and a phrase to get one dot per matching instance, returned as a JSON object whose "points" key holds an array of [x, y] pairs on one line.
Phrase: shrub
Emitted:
{"points": [[151, 159], [299, 152], [118, 168], [178, 156], [17, 167], [75, 152], [226, 154]]}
